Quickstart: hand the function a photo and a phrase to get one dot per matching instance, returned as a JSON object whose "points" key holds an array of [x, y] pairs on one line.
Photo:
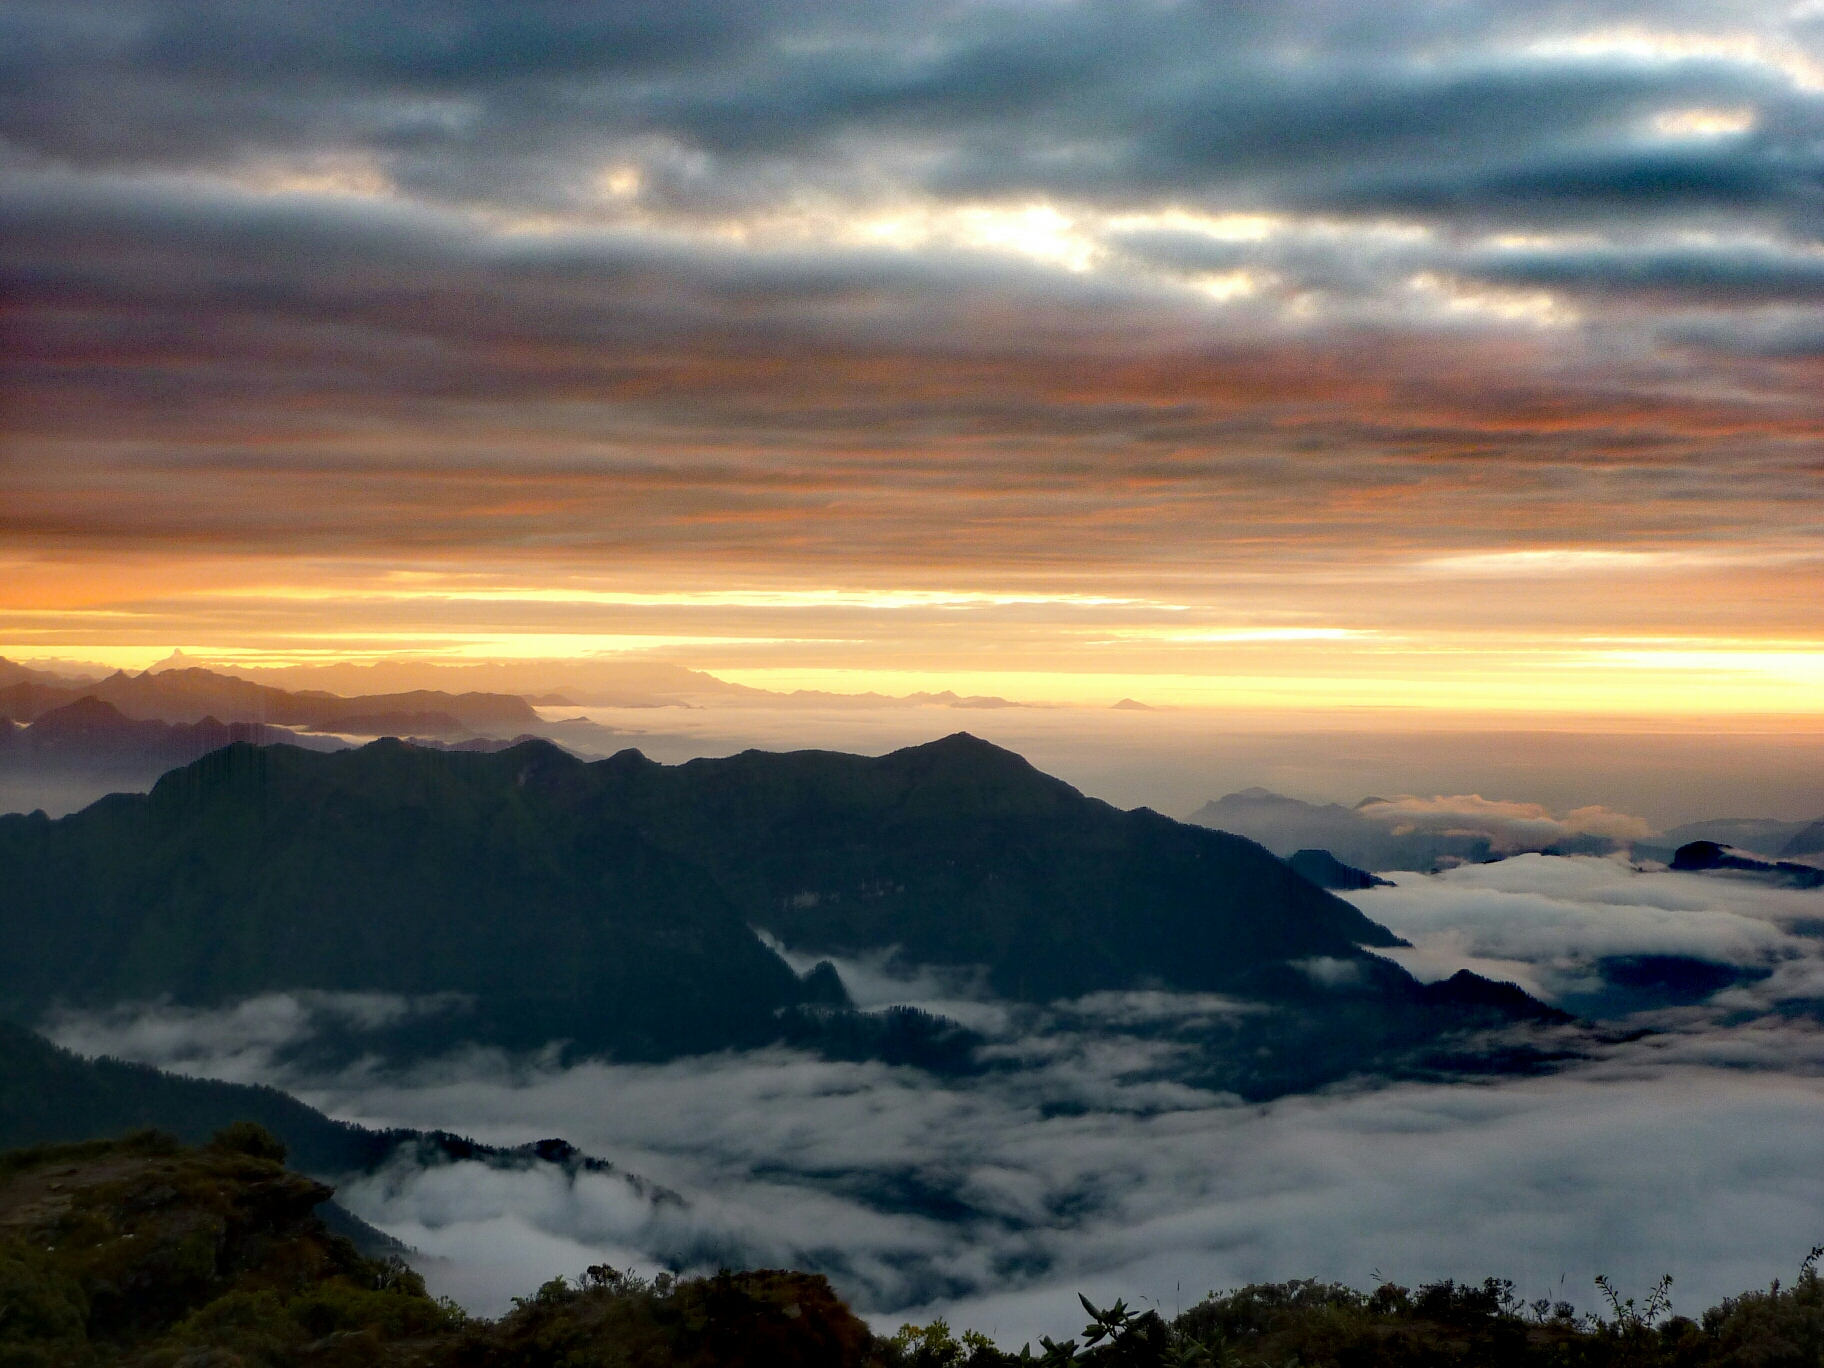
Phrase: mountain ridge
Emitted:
{"points": [[612, 905], [192, 693]]}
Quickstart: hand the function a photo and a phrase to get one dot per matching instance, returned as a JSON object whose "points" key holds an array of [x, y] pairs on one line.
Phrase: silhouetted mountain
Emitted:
{"points": [[49, 1094], [394, 724], [393, 869], [1287, 825], [1758, 835], [606, 683], [91, 735], [1707, 856], [611, 904], [960, 852], [26, 700], [1807, 841], [1398, 833], [74, 754], [1326, 871], [191, 695], [12, 672]]}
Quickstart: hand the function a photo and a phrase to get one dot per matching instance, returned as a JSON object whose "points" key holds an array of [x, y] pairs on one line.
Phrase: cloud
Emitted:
{"points": [[1080, 1163], [996, 1202], [1509, 826], [1576, 930], [1113, 100], [251, 1041], [1409, 832]]}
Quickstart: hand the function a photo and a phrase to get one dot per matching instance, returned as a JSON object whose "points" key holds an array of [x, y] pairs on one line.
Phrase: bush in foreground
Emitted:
{"points": [[140, 1253]]}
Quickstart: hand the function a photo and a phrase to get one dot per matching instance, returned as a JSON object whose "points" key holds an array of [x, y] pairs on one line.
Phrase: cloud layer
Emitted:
{"points": [[1268, 315], [1554, 924], [1082, 1164]]}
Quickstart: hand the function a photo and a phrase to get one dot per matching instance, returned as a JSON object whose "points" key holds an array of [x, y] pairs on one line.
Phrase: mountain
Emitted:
{"points": [[91, 736], [137, 1251], [603, 683], [12, 672], [1708, 856], [1326, 871], [389, 869], [437, 724], [1400, 833], [28, 699], [50, 1096], [1758, 835], [1807, 841], [960, 852], [524, 896], [1288, 825], [79, 752], [192, 694]]}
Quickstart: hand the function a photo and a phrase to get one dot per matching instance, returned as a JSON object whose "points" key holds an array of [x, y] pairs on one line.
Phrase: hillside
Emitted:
{"points": [[389, 869], [48, 1095], [140, 1251], [536, 898], [961, 852]]}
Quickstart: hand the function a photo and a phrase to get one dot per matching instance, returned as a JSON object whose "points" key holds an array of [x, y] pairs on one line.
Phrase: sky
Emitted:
{"points": [[1440, 357]]}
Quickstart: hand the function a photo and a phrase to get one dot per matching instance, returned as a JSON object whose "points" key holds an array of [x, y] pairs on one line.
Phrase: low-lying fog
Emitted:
{"points": [[1697, 1150]]}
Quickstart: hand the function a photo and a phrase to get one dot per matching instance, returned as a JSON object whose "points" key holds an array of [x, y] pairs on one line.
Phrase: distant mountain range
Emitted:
{"points": [[12, 672], [70, 741], [91, 736], [74, 754], [612, 904], [1379, 834], [191, 695], [1369, 835]]}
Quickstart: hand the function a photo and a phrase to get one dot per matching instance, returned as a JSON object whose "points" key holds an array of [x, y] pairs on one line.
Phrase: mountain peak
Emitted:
{"points": [[177, 660]]}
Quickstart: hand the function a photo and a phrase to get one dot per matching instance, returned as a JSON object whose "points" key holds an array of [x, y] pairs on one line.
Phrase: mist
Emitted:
{"points": [[1077, 1162]]}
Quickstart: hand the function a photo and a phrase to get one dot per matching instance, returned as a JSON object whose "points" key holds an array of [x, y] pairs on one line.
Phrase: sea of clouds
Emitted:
{"points": [[1080, 1164]]}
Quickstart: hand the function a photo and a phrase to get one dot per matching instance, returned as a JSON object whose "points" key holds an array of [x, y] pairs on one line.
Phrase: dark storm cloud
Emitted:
{"points": [[1354, 107], [1753, 274]]}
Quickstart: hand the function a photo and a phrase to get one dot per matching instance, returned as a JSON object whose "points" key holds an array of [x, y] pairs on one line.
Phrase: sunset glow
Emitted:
{"points": [[1458, 376]]}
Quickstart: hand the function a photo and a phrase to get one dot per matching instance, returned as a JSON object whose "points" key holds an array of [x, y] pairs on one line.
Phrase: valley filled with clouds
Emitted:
{"points": [[1680, 1136]]}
